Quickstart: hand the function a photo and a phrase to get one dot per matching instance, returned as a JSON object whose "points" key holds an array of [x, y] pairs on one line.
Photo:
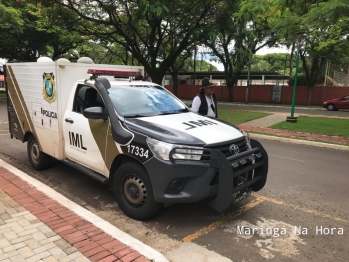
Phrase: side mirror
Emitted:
{"points": [[95, 113]]}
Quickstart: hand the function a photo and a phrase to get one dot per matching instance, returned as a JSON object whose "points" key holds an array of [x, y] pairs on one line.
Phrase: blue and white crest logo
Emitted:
{"points": [[49, 91]]}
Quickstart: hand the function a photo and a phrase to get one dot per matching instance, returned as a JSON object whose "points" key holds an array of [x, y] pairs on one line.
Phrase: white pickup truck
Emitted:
{"points": [[133, 135]]}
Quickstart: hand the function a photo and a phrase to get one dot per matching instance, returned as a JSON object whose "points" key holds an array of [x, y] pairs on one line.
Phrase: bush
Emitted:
{"points": [[301, 80]]}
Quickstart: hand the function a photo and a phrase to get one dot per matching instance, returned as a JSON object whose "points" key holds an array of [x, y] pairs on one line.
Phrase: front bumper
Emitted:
{"points": [[197, 176]]}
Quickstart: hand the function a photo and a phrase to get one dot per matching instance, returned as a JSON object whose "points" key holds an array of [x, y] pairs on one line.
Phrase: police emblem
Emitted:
{"points": [[49, 91]]}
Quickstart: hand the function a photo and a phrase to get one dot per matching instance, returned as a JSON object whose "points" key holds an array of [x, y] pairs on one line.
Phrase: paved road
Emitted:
{"points": [[285, 109], [306, 188]]}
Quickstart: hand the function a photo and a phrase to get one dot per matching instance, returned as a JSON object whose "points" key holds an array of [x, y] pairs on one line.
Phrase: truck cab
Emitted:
{"points": [[140, 140]]}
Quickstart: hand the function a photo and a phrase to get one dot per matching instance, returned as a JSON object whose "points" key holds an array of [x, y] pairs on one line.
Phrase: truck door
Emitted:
{"points": [[85, 139]]}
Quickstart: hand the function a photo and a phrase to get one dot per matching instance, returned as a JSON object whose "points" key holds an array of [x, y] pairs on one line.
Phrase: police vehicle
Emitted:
{"points": [[134, 136]]}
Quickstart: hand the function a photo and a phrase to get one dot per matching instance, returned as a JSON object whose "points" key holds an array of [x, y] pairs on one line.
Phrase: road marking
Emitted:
{"points": [[3, 122], [310, 211], [223, 220], [4, 134]]}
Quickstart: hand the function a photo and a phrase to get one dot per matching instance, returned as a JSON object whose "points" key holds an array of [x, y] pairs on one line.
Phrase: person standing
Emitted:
{"points": [[205, 103]]}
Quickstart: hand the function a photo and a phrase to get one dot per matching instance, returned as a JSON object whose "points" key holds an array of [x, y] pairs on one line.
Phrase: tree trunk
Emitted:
{"points": [[175, 82], [230, 86], [291, 58]]}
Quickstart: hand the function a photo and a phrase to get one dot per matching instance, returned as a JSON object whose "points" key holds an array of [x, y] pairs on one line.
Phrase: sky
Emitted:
{"points": [[262, 51]]}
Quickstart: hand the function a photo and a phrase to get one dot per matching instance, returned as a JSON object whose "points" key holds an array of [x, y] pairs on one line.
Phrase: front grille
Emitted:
{"points": [[224, 147]]}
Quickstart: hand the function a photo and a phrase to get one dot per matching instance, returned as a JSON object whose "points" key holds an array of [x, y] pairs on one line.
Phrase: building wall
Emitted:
{"points": [[264, 93]]}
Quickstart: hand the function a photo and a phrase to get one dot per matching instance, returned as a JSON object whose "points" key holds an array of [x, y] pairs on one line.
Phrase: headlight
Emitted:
{"points": [[325, 103], [162, 150]]}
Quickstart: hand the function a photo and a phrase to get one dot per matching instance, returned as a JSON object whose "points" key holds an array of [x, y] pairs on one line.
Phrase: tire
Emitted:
{"points": [[134, 193], [38, 159], [331, 107]]}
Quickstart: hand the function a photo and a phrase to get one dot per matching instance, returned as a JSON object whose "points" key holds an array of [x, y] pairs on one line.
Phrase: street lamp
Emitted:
{"points": [[292, 118]]}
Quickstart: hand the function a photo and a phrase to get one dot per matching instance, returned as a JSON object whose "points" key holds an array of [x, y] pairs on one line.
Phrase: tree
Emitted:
{"points": [[30, 29], [241, 28], [145, 28], [325, 38]]}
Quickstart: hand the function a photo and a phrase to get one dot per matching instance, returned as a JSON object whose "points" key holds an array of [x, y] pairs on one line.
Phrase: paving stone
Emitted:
{"points": [[50, 234], [4, 243], [28, 232], [82, 259], [34, 225], [34, 221], [14, 247], [32, 243], [8, 255], [11, 211], [30, 216], [45, 229], [23, 222], [62, 244], [70, 250], [57, 252], [50, 259], [17, 228], [17, 258], [2, 222], [21, 214], [50, 240], [4, 230], [38, 257], [44, 248], [72, 257], [5, 216], [20, 239], [39, 236], [26, 252], [10, 235]]}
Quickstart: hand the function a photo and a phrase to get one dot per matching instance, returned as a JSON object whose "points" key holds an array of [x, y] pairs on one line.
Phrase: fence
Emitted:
{"points": [[268, 94]]}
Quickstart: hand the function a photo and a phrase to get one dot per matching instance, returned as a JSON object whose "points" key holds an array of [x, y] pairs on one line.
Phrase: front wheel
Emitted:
{"points": [[134, 193], [38, 159], [331, 107]]}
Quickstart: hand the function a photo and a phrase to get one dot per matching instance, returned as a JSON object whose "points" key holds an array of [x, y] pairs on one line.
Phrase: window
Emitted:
{"points": [[345, 98], [144, 100], [86, 97]]}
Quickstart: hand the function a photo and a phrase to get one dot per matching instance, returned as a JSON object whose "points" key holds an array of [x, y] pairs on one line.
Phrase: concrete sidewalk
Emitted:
{"points": [[39, 224]]}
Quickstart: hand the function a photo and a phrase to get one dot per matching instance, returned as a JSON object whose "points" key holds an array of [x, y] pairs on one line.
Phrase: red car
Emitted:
{"points": [[336, 104]]}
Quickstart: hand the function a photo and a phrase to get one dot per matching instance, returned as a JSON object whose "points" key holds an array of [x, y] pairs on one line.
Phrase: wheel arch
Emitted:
{"points": [[118, 161]]}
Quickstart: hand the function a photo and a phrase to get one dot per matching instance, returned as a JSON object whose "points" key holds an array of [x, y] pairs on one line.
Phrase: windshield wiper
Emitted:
{"points": [[131, 116], [174, 112]]}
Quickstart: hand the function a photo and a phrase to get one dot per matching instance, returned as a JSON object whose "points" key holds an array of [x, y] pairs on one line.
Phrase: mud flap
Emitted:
{"points": [[262, 170]]}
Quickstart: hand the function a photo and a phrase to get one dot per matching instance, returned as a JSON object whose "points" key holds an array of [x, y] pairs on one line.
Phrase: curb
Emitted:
{"points": [[105, 226], [300, 142]]}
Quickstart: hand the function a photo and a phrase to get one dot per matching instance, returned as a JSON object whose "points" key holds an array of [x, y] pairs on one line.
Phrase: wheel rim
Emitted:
{"points": [[330, 107], [35, 152], [134, 190]]}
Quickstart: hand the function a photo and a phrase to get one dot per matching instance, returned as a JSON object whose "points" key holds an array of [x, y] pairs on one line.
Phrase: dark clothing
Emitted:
{"points": [[203, 109]]}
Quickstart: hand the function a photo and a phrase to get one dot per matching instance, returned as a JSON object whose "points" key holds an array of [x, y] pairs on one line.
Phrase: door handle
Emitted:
{"points": [[69, 120]]}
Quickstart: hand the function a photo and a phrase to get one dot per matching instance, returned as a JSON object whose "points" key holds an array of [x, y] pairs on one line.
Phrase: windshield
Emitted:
{"points": [[144, 100]]}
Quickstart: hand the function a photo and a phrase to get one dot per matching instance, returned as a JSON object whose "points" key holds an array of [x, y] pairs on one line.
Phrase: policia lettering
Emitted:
{"points": [[48, 113], [76, 140], [199, 123]]}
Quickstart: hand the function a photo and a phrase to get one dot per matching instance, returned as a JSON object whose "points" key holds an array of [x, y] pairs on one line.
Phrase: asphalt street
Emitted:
{"points": [[306, 195]]}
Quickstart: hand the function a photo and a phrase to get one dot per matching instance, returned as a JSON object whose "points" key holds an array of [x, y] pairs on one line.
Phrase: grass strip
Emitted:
{"points": [[317, 125]]}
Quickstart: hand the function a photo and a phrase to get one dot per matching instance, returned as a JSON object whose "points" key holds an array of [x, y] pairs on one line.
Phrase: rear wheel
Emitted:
{"points": [[38, 159], [331, 107], [134, 193]]}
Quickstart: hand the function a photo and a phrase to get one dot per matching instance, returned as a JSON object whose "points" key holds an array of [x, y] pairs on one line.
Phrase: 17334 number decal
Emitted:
{"points": [[137, 151]]}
